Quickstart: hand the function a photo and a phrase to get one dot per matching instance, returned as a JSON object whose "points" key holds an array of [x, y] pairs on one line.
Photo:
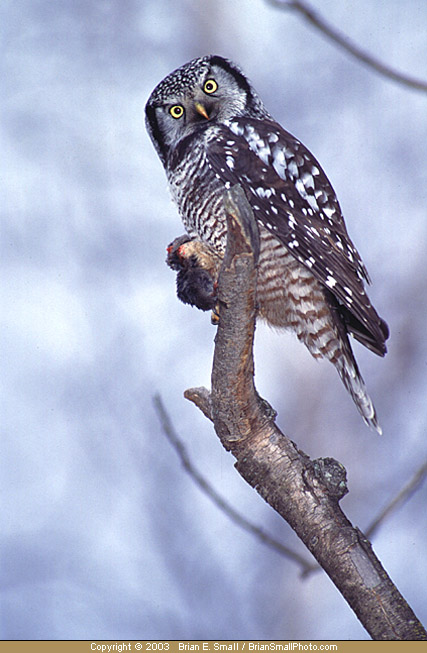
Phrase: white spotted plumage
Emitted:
{"points": [[311, 277]]}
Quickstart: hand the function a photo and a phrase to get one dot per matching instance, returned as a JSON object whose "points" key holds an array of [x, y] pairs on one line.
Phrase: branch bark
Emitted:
{"points": [[304, 492]]}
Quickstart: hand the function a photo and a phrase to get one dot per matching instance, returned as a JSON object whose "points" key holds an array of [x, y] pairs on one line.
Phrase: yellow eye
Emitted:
{"points": [[177, 111], [210, 86]]}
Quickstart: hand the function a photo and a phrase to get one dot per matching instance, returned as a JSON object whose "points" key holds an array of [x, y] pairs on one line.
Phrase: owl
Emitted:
{"points": [[212, 131]]}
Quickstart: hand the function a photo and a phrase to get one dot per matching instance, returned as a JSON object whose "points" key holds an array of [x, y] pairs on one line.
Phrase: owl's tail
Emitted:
{"points": [[338, 350], [326, 337], [349, 373], [333, 345]]}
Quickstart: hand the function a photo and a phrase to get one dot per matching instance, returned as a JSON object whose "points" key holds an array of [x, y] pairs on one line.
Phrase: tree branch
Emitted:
{"points": [[304, 492], [345, 44]]}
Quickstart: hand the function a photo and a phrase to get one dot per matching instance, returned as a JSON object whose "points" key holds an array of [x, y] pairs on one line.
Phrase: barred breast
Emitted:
{"points": [[199, 196]]}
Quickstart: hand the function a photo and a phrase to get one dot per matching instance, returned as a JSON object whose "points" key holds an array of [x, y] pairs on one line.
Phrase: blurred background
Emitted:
{"points": [[102, 533]]}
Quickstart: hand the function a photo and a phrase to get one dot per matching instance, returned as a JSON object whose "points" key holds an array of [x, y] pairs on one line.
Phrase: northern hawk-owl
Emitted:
{"points": [[211, 131]]}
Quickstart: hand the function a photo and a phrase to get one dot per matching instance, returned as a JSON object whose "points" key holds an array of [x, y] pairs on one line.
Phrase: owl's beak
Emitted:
{"points": [[202, 110]]}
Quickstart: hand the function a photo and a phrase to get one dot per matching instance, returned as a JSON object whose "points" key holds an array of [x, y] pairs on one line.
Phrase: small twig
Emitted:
{"points": [[405, 493], [201, 398], [343, 42], [222, 504]]}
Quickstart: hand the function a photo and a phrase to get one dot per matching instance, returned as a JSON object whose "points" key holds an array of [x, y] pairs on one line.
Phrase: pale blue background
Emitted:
{"points": [[102, 533]]}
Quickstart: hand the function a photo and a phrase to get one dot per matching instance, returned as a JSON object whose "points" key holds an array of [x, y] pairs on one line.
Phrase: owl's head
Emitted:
{"points": [[203, 92]]}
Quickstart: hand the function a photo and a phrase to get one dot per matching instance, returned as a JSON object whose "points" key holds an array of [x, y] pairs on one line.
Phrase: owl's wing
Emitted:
{"points": [[292, 198]]}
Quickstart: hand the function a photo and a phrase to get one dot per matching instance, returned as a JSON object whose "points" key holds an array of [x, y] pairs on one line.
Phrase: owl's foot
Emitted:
{"points": [[215, 314]]}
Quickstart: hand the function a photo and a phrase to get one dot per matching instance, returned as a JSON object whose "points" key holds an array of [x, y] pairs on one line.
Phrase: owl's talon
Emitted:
{"points": [[215, 315]]}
